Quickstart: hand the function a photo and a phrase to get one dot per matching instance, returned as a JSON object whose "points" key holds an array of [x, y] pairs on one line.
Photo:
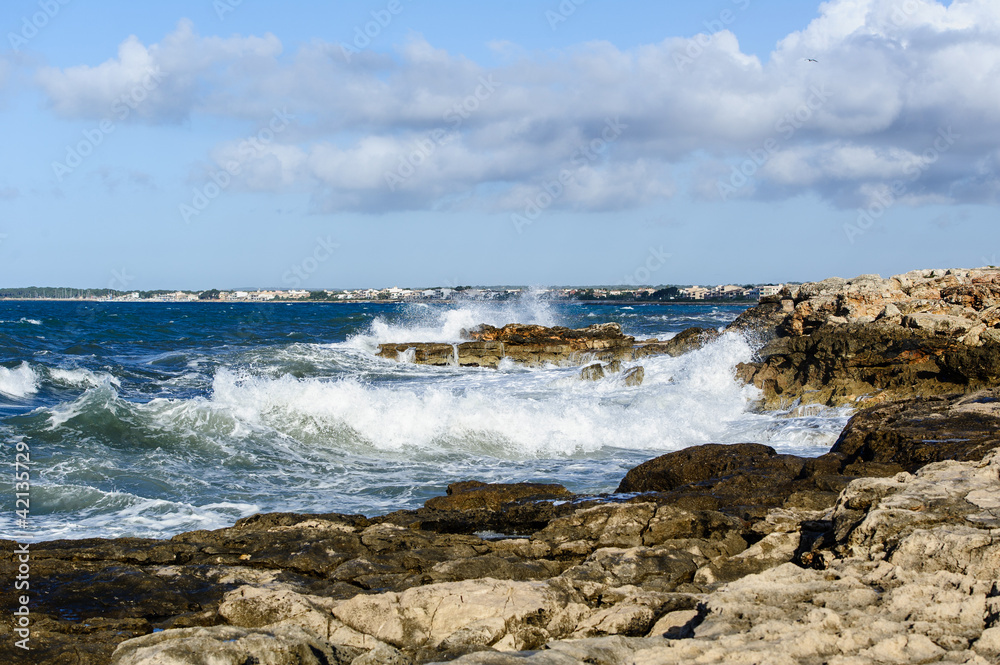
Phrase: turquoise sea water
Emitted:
{"points": [[150, 419]]}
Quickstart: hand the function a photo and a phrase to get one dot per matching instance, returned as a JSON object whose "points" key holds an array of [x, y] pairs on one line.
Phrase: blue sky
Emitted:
{"points": [[199, 144]]}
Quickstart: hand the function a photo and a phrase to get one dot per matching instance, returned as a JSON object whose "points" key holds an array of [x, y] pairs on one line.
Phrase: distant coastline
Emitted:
{"points": [[721, 294]]}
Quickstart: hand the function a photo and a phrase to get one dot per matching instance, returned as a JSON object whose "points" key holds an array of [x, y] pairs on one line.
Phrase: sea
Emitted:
{"points": [[150, 419]]}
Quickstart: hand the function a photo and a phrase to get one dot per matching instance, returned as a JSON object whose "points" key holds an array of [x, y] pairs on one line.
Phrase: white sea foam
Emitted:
{"points": [[516, 415], [18, 382], [81, 377], [23, 319], [422, 323]]}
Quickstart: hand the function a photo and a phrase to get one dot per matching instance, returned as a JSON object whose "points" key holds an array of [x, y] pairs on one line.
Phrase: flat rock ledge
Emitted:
{"points": [[714, 554], [533, 346], [835, 342]]}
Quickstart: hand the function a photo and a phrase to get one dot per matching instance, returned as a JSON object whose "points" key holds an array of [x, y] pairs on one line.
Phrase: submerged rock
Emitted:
{"points": [[592, 372], [634, 376]]}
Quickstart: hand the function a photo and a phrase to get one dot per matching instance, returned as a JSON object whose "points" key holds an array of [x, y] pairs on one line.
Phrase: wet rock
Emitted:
{"points": [[913, 433], [634, 376], [529, 345], [683, 342], [706, 462], [592, 372], [475, 495]]}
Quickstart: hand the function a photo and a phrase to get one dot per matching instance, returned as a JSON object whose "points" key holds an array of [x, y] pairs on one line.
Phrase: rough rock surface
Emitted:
{"points": [[914, 578], [533, 345], [833, 342], [913, 433], [522, 343]]}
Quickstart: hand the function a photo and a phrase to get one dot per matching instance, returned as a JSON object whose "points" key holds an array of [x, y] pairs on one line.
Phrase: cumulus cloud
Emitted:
{"points": [[902, 92], [162, 82]]}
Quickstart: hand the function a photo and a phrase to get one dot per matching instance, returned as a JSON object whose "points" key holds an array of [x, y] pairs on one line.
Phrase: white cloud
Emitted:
{"points": [[163, 82], [890, 76]]}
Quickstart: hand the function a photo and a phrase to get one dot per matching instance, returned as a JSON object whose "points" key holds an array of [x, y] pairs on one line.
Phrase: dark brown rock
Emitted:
{"points": [[912, 433], [530, 345], [475, 495], [709, 462]]}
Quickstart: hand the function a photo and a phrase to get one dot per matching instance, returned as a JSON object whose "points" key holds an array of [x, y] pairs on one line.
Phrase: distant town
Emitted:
{"points": [[720, 293]]}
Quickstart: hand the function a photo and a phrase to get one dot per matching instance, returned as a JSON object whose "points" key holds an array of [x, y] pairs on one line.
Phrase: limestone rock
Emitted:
{"points": [[838, 341], [226, 645], [486, 346], [429, 615], [683, 342]]}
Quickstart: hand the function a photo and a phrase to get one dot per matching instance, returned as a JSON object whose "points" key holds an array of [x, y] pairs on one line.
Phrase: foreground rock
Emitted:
{"points": [[913, 579], [833, 342], [532, 345]]}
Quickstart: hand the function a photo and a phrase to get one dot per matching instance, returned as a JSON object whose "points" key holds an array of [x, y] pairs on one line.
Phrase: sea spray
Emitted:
{"points": [[20, 381]]}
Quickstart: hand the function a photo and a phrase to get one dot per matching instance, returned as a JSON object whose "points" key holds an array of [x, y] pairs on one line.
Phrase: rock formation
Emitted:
{"points": [[534, 346], [837, 341]]}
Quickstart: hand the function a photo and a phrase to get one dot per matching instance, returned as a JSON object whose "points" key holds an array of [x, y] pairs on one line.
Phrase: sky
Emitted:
{"points": [[240, 143]]}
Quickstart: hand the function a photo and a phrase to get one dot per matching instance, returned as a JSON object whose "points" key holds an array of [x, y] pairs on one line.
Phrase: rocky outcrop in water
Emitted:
{"points": [[533, 346], [524, 344], [834, 342]]}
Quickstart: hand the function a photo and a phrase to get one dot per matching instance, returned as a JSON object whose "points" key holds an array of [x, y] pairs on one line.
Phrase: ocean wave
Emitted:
{"points": [[20, 381], [76, 511], [24, 319], [80, 377], [515, 414]]}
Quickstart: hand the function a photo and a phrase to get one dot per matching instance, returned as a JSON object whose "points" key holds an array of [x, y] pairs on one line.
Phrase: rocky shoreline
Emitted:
{"points": [[885, 549]]}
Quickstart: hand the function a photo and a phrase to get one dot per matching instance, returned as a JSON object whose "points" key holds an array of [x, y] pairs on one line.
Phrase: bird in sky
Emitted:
{"points": [[811, 60]]}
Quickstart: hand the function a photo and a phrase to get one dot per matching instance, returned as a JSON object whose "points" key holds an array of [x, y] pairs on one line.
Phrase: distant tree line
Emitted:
{"points": [[666, 294], [57, 292]]}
